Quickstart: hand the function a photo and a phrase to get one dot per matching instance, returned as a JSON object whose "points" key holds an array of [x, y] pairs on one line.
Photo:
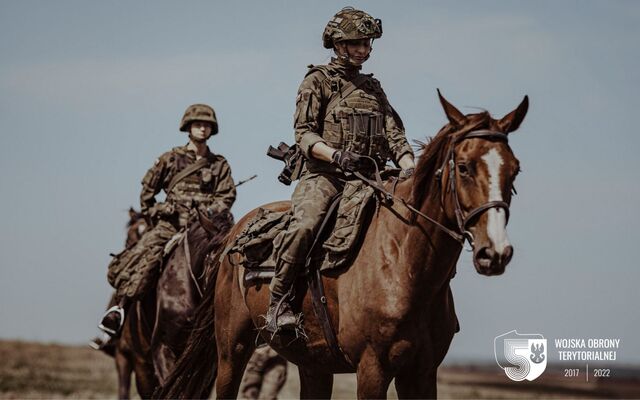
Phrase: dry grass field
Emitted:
{"points": [[38, 371]]}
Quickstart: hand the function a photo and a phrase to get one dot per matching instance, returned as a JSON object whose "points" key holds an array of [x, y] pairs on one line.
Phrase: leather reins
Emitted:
{"points": [[461, 220]]}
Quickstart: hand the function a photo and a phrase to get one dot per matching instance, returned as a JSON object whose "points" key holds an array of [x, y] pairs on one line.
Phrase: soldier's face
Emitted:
{"points": [[357, 50], [200, 130]]}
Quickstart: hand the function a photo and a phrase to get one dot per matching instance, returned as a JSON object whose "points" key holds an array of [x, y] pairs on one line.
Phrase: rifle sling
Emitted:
{"points": [[203, 162], [346, 91]]}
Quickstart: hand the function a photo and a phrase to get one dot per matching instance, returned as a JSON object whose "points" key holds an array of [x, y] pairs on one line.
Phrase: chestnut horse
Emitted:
{"points": [[392, 309], [156, 326]]}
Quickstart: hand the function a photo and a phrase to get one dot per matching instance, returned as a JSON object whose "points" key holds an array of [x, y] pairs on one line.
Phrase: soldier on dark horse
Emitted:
{"points": [[154, 332], [192, 177]]}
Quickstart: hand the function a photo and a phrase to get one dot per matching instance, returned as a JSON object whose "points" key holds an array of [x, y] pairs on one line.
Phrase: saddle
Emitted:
{"points": [[340, 232], [335, 245]]}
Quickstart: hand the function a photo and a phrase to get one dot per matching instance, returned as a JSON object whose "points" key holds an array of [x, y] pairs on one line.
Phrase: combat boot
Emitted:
{"points": [[280, 315], [112, 321], [101, 342]]}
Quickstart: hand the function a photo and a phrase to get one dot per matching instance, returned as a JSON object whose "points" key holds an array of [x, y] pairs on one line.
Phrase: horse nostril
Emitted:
{"points": [[508, 253], [484, 257]]}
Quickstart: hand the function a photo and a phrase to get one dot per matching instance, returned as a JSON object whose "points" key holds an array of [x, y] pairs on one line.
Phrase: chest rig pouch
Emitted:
{"points": [[357, 124]]}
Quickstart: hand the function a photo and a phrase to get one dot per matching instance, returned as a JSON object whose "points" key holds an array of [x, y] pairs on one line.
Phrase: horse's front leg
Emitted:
{"points": [[373, 377], [314, 385], [169, 334], [235, 337], [163, 361], [417, 383], [124, 368], [232, 361], [146, 381]]}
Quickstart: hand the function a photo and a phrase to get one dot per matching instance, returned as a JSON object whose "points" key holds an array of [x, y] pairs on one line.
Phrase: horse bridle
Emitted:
{"points": [[461, 219]]}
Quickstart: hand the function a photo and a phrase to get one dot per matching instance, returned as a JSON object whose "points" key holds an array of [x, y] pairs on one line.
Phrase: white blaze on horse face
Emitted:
{"points": [[497, 226]]}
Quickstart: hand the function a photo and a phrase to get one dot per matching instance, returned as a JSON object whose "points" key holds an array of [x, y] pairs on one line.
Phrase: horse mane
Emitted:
{"points": [[433, 151]]}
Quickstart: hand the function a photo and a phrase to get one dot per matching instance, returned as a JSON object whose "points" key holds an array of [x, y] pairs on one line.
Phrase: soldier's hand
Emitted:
{"points": [[348, 161], [162, 209], [406, 173]]}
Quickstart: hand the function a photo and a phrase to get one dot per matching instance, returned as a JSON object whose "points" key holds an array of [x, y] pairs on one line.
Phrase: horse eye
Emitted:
{"points": [[463, 169]]}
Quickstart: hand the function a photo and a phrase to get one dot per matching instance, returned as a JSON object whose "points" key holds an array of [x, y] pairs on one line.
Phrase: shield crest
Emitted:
{"points": [[521, 356]]}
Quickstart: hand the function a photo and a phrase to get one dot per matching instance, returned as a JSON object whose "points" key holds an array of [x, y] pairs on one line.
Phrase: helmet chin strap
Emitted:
{"points": [[346, 58]]}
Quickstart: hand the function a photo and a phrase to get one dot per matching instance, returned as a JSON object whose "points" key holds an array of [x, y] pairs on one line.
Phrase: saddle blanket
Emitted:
{"points": [[255, 243]]}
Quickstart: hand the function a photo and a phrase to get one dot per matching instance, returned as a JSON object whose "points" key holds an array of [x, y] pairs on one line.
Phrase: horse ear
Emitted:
{"points": [[512, 121], [132, 213], [455, 117]]}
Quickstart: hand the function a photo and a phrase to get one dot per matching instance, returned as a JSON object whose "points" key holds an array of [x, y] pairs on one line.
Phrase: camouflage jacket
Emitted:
{"points": [[363, 122], [210, 187]]}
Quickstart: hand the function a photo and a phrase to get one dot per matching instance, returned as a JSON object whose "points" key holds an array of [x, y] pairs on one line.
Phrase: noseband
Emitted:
{"points": [[461, 219]]}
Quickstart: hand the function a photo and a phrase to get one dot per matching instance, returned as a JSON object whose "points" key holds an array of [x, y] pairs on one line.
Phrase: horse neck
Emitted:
{"points": [[424, 256], [198, 247]]}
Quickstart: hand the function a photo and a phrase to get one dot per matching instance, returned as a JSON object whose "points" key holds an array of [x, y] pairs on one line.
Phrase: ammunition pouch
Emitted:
{"points": [[364, 134]]}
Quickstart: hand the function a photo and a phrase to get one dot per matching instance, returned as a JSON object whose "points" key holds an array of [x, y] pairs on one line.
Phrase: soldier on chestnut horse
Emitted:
{"points": [[392, 309]]}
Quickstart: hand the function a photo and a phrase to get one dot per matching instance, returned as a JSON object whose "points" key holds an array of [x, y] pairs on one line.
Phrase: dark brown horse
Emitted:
{"points": [[157, 325], [393, 308]]}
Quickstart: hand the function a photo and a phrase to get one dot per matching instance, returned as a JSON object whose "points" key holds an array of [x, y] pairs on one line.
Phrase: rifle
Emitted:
{"points": [[246, 180]]}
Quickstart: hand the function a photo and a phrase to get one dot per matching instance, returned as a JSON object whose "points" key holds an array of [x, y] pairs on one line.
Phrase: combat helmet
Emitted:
{"points": [[351, 24], [199, 112]]}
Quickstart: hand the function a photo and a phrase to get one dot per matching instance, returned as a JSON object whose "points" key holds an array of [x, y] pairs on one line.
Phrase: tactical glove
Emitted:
{"points": [[406, 173], [347, 161]]}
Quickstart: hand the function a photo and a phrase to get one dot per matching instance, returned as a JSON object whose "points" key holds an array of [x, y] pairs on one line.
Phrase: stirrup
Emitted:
{"points": [[272, 325], [110, 331]]}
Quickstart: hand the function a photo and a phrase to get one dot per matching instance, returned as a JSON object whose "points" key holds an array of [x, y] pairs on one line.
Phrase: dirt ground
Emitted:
{"points": [[51, 371]]}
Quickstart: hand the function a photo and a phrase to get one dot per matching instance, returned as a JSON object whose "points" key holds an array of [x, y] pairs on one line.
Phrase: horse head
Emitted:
{"points": [[136, 227], [474, 170], [478, 174]]}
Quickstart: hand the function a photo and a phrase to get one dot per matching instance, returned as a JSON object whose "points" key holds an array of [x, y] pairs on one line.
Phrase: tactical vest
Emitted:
{"points": [[357, 122], [196, 189]]}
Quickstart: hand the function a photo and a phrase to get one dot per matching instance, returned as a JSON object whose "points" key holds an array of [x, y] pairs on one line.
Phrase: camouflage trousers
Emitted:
{"points": [[136, 270], [265, 375], [310, 202]]}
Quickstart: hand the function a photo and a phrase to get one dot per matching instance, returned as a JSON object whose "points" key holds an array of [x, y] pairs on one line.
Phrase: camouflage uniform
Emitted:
{"points": [[136, 269], [264, 376], [364, 123]]}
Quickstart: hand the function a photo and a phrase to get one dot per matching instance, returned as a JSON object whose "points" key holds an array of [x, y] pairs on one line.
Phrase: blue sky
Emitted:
{"points": [[92, 92]]}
